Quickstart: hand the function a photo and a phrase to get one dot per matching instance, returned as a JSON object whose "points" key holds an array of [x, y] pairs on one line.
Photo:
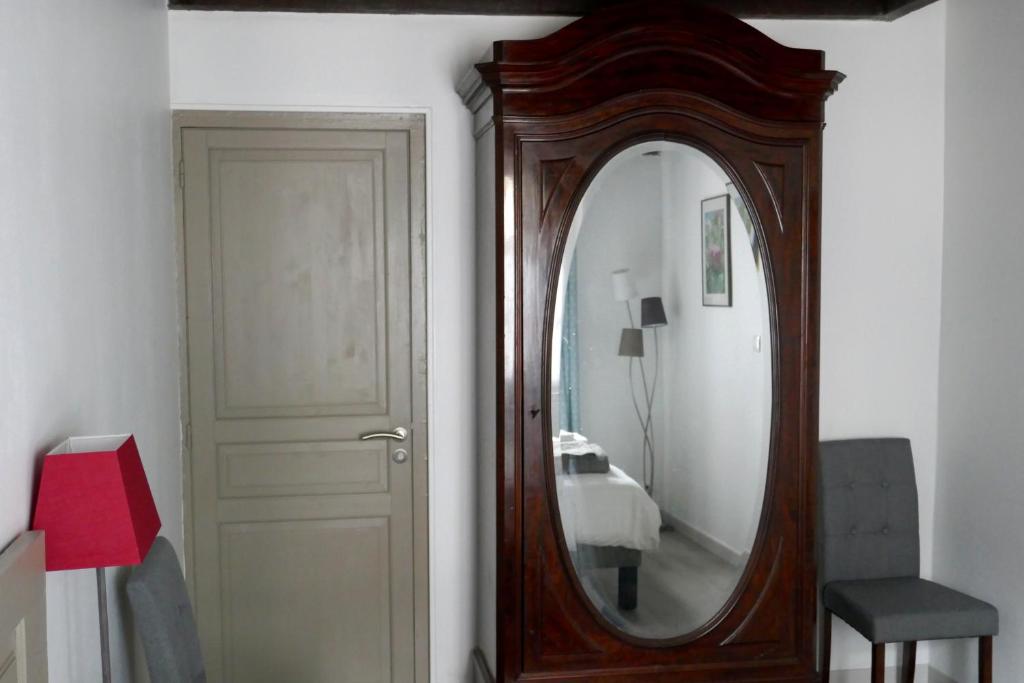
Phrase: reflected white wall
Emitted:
{"points": [[716, 383], [711, 410], [620, 228]]}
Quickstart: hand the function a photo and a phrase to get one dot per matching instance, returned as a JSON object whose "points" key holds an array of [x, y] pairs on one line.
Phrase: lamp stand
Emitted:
{"points": [[645, 422], [101, 588], [649, 426]]}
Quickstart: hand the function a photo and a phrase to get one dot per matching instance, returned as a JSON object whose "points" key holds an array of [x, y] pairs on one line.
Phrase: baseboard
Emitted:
{"points": [[925, 674], [481, 672], [709, 543]]}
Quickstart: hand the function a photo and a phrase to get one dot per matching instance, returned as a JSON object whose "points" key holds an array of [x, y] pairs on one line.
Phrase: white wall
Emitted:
{"points": [[881, 244], [88, 332], [882, 222], [979, 509]]}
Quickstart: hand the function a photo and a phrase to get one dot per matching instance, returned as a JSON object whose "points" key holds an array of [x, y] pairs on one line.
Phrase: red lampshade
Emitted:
{"points": [[95, 504]]}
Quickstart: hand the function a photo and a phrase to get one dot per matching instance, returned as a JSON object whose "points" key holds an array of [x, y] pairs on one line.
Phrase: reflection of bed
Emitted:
{"points": [[608, 519]]}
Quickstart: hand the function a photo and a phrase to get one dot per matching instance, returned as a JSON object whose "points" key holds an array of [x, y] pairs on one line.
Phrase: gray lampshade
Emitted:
{"points": [[652, 312], [631, 343]]}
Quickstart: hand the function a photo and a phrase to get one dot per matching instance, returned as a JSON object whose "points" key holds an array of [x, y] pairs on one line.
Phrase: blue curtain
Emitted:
{"points": [[569, 403]]}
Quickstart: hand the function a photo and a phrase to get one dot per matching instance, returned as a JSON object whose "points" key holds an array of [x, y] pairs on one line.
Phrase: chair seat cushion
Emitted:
{"points": [[909, 609]]}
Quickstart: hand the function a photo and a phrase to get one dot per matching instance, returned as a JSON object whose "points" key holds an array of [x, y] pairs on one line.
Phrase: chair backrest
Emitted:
{"points": [[164, 619], [867, 497]]}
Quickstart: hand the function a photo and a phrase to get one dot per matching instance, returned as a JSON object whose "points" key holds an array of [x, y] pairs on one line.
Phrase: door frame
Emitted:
{"points": [[415, 123]]}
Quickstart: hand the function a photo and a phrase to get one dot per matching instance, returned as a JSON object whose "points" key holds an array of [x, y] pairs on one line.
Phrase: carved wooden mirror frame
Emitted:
{"points": [[564, 105]]}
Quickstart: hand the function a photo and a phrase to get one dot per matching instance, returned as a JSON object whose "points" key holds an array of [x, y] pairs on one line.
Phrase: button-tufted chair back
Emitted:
{"points": [[164, 619], [867, 496]]}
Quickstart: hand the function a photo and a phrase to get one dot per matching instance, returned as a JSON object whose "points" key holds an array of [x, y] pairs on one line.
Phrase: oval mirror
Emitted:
{"points": [[661, 390]]}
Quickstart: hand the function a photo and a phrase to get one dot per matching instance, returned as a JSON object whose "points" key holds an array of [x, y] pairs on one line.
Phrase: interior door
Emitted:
{"points": [[306, 384]]}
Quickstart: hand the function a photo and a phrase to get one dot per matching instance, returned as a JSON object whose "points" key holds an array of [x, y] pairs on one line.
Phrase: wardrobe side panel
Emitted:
{"points": [[487, 388]]}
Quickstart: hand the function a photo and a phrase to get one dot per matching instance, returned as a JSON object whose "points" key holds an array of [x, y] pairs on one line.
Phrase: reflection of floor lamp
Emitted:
{"points": [[631, 345]]}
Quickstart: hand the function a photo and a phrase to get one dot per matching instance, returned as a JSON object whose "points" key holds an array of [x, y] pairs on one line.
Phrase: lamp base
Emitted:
{"points": [[101, 589]]}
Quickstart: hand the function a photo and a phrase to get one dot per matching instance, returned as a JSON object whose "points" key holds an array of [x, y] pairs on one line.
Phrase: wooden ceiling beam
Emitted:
{"points": [[885, 10], [898, 8]]}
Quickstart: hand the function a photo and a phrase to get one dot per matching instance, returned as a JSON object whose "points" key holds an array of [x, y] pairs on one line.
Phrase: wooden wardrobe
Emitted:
{"points": [[548, 114]]}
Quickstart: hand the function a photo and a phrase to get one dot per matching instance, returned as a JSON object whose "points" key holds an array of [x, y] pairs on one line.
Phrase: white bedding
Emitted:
{"points": [[609, 509]]}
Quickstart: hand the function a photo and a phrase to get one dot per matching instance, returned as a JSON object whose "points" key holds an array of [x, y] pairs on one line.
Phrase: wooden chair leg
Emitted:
{"points": [[985, 659], [909, 661], [878, 663], [826, 646]]}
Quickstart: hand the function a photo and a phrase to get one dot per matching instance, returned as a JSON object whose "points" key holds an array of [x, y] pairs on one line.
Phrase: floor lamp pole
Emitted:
{"points": [[101, 588], [641, 420], [648, 444], [649, 426]]}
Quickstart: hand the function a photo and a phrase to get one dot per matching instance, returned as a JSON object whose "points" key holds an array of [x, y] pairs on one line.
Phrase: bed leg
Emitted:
{"points": [[627, 587]]}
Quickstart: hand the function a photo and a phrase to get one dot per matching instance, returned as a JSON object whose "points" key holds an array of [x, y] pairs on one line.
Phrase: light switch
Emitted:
{"points": [[757, 343]]}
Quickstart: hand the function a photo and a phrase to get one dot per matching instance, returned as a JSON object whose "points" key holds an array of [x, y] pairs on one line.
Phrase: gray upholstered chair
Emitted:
{"points": [[870, 560], [163, 618]]}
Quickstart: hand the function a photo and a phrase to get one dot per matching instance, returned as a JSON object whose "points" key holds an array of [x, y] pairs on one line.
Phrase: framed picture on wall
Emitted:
{"points": [[716, 252]]}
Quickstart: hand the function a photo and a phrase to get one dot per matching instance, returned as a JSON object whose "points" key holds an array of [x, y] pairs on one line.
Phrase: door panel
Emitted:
{"points": [[256, 557], [313, 468], [299, 305], [304, 321]]}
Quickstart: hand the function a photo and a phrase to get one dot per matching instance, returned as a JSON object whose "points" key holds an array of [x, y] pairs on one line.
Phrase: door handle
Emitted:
{"points": [[396, 434]]}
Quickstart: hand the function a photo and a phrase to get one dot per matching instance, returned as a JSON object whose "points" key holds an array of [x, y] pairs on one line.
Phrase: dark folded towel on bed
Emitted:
{"points": [[584, 463]]}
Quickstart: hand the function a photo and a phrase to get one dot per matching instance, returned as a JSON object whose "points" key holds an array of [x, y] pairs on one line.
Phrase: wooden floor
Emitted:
{"points": [[681, 586]]}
